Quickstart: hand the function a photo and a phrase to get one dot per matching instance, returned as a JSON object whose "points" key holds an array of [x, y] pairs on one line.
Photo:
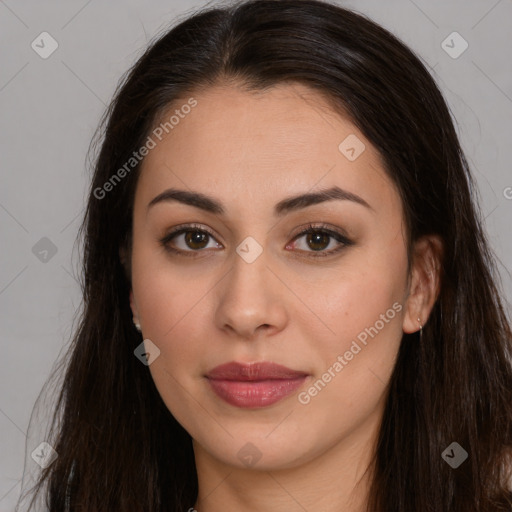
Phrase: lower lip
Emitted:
{"points": [[251, 394]]}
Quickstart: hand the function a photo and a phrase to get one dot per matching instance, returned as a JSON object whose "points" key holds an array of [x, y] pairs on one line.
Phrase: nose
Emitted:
{"points": [[250, 300]]}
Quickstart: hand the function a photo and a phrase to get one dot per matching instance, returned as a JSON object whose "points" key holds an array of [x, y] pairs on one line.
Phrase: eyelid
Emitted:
{"points": [[190, 227], [320, 226]]}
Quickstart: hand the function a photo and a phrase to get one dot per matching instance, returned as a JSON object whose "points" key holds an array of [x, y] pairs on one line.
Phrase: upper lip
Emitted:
{"points": [[253, 371]]}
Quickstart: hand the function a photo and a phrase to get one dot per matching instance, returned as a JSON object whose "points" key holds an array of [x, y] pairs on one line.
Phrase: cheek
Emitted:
{"points": [[164, 293], [364, 311], [364, 295], [173, 309]]}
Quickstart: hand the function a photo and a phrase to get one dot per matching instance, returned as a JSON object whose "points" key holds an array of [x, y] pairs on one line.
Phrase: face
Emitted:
{"points": [[243, 283]]}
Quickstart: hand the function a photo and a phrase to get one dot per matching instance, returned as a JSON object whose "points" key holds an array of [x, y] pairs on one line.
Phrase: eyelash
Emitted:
{"points": [[311, 229]]}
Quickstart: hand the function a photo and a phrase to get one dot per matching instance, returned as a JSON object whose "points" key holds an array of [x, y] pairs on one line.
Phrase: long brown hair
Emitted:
{"points": [[119, 447]]}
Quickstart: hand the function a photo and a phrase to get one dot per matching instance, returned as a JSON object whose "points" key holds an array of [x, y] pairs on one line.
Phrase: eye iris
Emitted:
{"points": [[196, 237], [318, 238]]}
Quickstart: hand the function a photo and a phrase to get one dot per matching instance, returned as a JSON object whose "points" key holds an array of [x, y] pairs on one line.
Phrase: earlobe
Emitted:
{"points": [[133, 306], [414, 307], [425, 283]]}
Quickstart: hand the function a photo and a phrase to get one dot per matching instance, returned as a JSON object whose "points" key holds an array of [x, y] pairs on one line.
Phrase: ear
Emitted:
{"points": [[424, 282]]}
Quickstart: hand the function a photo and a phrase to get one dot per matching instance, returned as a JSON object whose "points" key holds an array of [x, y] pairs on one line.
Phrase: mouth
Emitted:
{"points": [[254, 385]]}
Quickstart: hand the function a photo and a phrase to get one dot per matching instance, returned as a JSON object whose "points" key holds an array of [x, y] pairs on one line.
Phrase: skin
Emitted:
{"points": [[249, 151]]}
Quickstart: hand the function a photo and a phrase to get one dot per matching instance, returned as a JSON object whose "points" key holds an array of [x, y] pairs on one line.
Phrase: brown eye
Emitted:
{"points": [[318, 239], [188, 240], [191, 240], [196, 239]]}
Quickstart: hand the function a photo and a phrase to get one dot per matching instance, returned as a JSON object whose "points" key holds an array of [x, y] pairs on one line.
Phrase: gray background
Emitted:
{"points": [[51, 107]]}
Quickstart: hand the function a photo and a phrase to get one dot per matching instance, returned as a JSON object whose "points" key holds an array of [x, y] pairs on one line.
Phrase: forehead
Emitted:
{"points": [[260, 145]]}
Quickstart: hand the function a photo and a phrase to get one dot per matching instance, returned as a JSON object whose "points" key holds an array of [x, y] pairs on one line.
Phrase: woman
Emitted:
{"points": [[289, 300]]}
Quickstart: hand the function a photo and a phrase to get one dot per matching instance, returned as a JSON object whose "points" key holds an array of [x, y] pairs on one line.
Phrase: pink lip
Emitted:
{"points": [[254, 385]]}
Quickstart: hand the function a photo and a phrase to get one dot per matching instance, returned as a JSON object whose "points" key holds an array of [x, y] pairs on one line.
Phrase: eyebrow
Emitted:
{"points": [[211, 205]]}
